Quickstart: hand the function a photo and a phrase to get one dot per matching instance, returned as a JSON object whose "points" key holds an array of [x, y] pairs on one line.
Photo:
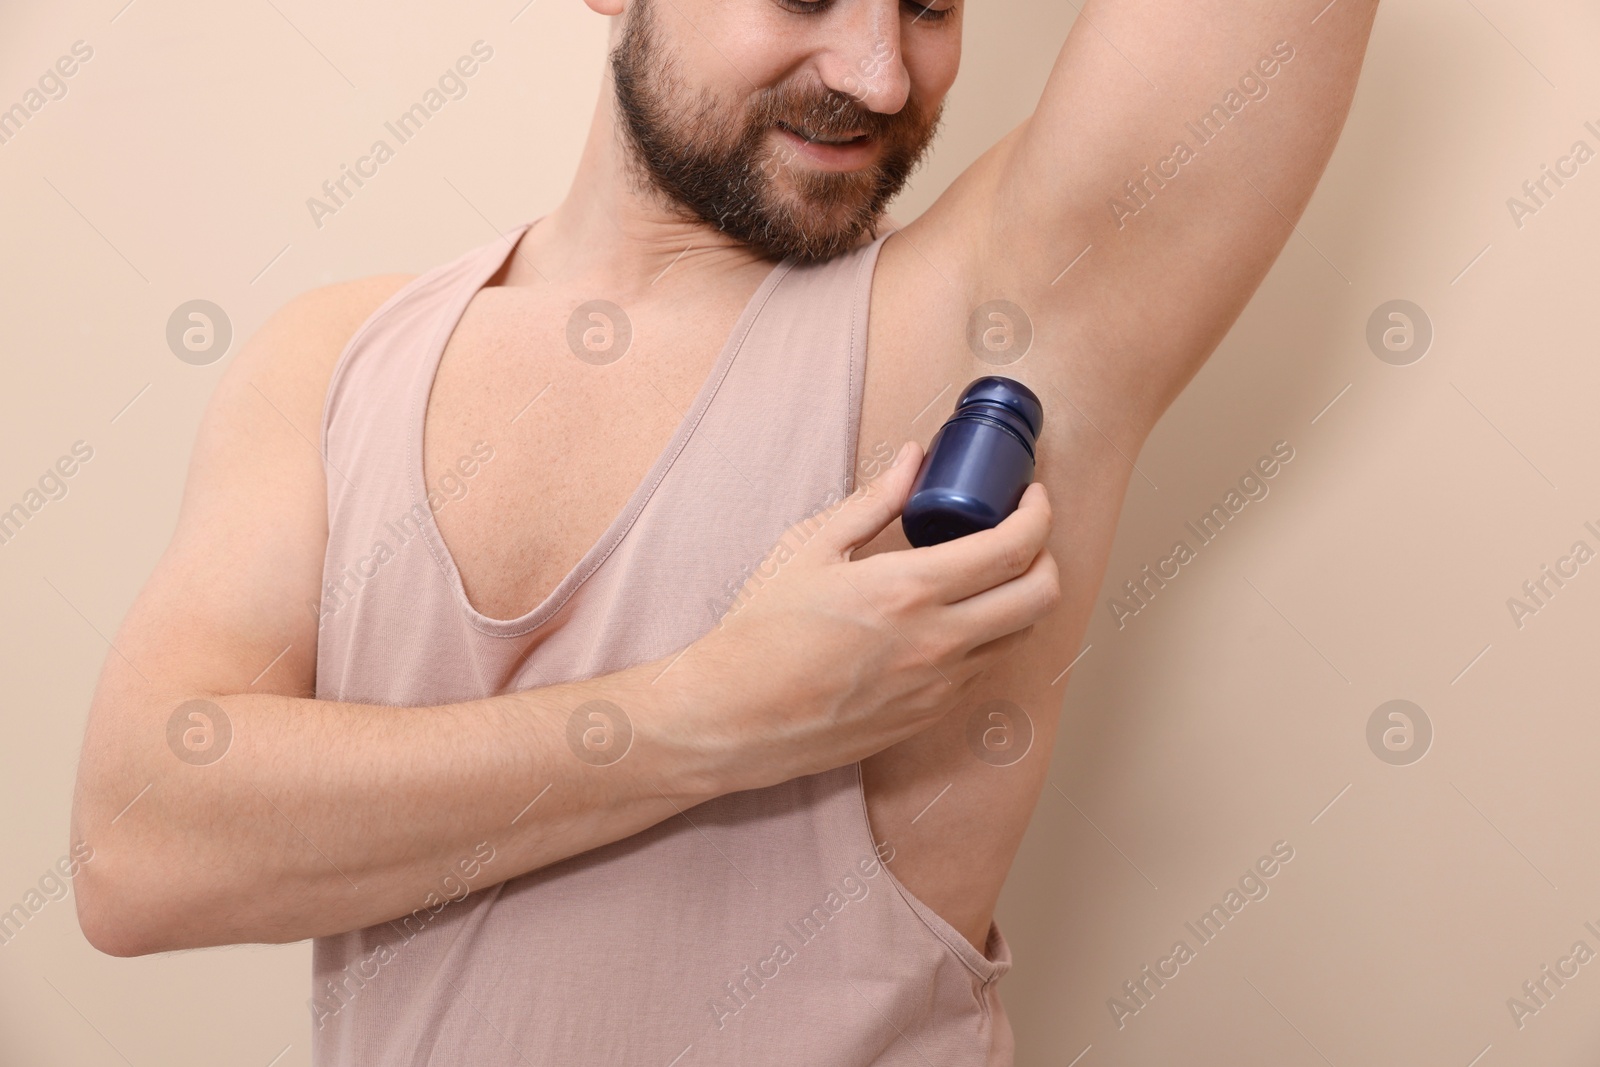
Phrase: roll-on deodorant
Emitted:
{"points": [[977, 465]]}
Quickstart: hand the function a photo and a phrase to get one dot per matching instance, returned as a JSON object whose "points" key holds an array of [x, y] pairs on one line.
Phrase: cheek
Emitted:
{"points": [[726, 44], [932, 64]]}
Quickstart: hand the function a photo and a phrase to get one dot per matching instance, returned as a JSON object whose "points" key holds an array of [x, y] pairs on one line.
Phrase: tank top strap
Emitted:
{"points": [[388, 359]]}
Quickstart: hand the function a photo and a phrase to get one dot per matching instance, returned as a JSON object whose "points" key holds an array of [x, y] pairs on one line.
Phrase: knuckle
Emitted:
{"points": [[949, 649], [902, 595], [1053, 593], [919, 589], [871, 492], [868, 583], [1015, 557]]}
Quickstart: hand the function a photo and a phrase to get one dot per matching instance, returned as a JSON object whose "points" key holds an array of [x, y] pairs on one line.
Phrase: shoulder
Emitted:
{"points": [[341, 306], [291, 358], [306, 335]]}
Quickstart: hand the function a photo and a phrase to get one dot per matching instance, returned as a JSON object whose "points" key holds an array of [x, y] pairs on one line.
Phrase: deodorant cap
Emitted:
{"points": [[1011, 398]]}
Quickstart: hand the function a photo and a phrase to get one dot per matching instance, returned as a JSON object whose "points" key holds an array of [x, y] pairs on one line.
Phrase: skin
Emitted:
{"points": [[860, 648]]}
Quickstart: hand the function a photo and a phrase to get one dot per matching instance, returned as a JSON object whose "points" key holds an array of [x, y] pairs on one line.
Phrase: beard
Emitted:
{"points": [[706, 164]]}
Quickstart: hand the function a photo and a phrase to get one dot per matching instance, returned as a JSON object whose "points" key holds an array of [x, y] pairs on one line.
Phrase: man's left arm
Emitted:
{"points": [[1158, 273], [1135, 212]]}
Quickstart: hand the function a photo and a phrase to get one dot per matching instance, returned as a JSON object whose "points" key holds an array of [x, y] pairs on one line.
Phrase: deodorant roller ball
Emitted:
{"points": [[977, 465]]}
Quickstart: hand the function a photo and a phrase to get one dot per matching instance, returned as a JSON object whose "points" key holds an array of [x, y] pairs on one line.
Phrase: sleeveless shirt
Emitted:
{"points": [[761, 927]]}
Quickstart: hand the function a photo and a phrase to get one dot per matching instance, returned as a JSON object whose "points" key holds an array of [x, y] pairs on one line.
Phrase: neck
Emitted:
{"points": [[610, 237]]}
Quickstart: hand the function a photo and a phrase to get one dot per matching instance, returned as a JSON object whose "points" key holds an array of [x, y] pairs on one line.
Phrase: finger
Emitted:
{"points": [[1011, 606], [865, 513], [966, 566]]}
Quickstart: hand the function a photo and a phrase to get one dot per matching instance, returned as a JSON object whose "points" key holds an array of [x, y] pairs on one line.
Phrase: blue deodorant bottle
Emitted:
{"points": [[977, 465]]}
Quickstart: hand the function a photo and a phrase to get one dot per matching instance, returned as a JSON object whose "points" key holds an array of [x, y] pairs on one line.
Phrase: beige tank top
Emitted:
{"points": [[763, 927]]}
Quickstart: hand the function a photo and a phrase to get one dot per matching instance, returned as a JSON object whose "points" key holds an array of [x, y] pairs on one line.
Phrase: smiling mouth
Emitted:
{"points": [[816, 138]]}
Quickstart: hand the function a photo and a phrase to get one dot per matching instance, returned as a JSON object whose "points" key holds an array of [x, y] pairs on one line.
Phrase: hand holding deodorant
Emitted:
{"points": [[977, 465]]}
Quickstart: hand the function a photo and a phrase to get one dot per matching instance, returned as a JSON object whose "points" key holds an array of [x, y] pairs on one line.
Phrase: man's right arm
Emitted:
{"points": [[323, 817]]}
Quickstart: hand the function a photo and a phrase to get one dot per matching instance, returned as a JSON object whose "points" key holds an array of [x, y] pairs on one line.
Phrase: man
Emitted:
{"points": [[535, 800]]}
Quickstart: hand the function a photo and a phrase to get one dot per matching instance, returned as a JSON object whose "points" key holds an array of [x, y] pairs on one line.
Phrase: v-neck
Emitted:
{"points": [[620, 525]]}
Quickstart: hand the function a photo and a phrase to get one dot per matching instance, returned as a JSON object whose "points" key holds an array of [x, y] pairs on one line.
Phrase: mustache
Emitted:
{"points": [[829, 113]]}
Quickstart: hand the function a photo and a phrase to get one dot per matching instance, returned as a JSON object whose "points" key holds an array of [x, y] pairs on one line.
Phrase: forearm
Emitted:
{"points": [[323, 817]]}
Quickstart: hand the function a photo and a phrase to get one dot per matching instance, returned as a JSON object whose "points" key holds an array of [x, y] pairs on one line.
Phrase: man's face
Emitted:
{"points": [[788, 125]]}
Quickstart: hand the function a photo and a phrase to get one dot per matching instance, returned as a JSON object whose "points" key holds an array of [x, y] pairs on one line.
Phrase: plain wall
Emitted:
{"points": [[1228, 714]]}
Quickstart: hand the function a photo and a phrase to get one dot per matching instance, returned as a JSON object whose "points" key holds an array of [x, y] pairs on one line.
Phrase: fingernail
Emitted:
{"points": [[901, 455]]}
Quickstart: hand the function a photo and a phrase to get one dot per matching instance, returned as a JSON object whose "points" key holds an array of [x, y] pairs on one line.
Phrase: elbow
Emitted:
{"points": [[127, 899], [129, 905], [126, 909], [111, 916], [113, 938]]}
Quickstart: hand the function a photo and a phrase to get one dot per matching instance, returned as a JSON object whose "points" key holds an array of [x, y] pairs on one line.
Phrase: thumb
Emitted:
{"points": [[865, 512]]}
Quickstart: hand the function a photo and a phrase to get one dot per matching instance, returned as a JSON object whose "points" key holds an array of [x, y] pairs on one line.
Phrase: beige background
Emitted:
{"points": [[1223, 718]]}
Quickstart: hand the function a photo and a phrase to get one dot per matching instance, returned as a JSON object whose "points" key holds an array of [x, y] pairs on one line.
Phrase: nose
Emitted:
{"points": [[863, 61]]}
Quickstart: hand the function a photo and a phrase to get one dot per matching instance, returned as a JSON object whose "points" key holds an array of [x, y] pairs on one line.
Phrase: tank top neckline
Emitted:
{"points": [[619, 526]]}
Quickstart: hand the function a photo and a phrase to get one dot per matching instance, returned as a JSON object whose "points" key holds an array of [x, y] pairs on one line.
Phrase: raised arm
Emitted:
{"points": [[1175, 144]]}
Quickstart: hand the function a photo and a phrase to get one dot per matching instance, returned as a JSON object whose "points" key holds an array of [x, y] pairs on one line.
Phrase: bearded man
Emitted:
{"points": [[538, 636]]}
